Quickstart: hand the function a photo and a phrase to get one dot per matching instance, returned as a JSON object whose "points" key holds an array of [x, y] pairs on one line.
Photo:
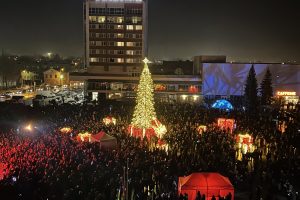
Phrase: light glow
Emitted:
{"points": [[109, 120], [66, 130], [226, 124], [84, 137], [28, 127]]}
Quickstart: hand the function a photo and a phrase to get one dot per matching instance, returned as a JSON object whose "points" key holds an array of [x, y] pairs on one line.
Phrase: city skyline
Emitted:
{"points": [[255, 31]]}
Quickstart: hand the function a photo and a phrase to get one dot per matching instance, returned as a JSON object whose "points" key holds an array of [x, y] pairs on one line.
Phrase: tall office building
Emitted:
{"points": [[115, 34]]}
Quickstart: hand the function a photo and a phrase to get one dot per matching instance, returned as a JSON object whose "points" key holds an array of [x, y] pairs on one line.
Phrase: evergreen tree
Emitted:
{"points": [[266, 89], [144, 112], [250, 94]]}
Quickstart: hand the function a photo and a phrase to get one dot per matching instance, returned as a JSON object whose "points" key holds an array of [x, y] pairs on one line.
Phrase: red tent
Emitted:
{"points": [[207, 183], [105, 140]]}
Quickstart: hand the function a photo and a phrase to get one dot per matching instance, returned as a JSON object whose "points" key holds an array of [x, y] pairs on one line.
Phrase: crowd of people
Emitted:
{"points": [[45, 164]]}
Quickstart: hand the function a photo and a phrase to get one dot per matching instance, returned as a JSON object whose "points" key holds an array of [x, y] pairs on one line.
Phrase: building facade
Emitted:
{"points": [[173, 81], [28, 78], [53, 77], [115, 34], [167, 88]]}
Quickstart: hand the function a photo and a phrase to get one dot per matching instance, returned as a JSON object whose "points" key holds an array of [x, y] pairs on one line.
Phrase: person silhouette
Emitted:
{"points": [[198, 196]]}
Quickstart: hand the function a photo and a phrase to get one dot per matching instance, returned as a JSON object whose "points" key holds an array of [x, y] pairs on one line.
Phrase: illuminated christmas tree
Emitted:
{"points": [[144, 122]]}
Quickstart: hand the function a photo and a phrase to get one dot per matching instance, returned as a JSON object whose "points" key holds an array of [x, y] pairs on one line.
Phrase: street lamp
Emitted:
{"points": [[23, 76]]}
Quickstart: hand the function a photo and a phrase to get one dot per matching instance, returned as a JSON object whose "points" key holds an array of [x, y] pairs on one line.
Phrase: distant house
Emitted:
{"points": [[54, 77], [28, 77]]}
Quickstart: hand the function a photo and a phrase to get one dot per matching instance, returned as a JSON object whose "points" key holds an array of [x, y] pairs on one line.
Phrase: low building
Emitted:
{"points": [[55, 77], [29, 78], [173, 81]]}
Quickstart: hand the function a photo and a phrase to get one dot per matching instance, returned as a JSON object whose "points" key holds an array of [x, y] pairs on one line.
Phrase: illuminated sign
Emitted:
{"points": [[285, 93]]}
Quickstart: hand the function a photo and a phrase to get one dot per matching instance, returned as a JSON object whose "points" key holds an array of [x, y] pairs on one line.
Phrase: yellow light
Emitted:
{"points": [[61, 76], [184, 96], [66, 130], [28, 127], [195, 97], [84, 136], [109, 120]]}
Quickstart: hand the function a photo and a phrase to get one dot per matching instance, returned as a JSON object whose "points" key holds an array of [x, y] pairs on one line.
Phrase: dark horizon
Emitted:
{"points": [[243, 31]]}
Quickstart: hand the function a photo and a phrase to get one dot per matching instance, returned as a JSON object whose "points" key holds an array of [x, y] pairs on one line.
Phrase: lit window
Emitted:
{"points": [[136, 20], [120, 44], [139, 27], [130, 60], [101, 19], [120, 60], [111, 19], [129, 27], [120, 35], [118, 27], [130, 52], [94, 59], [130, 44], [93, 18], [120, 19]]}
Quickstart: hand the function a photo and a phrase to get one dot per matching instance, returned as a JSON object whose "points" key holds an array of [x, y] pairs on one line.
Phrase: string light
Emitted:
{"points": [[144, 111]]}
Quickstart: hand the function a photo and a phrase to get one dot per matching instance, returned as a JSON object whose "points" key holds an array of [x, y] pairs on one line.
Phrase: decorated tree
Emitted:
{"points": [[144, 122], [266, 89], [144, 111], [250, 95]]}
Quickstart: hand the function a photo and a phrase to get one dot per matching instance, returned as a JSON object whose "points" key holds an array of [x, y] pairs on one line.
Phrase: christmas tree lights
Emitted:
{"points": [[144, 117], [144, 111]]}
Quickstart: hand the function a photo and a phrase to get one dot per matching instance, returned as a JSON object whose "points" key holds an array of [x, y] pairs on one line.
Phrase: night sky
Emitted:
{"points": [[253, 30]]}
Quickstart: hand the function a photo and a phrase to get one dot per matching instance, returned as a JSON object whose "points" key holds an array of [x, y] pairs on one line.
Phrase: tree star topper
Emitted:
{"points": [[146, 61]]}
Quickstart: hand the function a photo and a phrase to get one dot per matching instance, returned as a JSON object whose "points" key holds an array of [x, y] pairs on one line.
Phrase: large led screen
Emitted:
{"points": [[229, 78]]}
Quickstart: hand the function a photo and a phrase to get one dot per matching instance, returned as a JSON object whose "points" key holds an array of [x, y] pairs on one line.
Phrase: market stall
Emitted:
{"points": [[109, 120], [157, 129], [66, 130], [245, 143], [226, 124], [209, 184], [84, 137], [201, 129], [105, 140]]}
